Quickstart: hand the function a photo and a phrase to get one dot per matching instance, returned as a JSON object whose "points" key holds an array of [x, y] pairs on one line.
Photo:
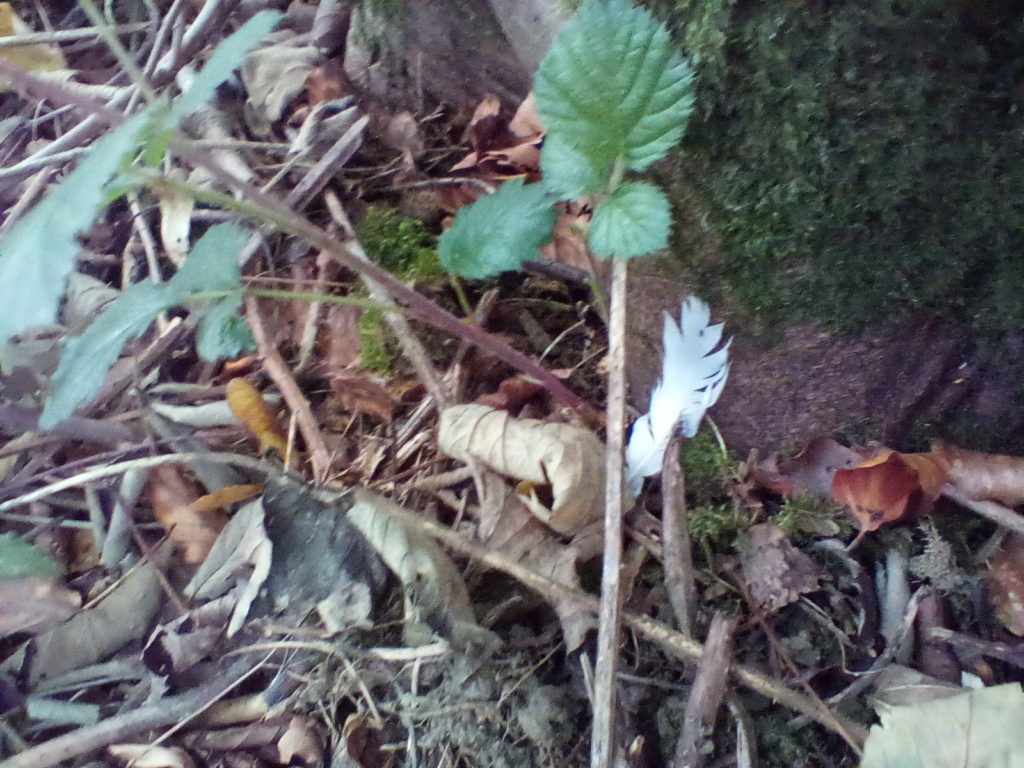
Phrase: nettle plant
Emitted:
{"points": [[614, 96]]}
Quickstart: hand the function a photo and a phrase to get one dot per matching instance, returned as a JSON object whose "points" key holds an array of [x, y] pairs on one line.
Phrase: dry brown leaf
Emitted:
{"points": [[148, 756], [356, 391], [569, 241], [569, 459], [327, 82], [34, 604], [526, 122], [249, 407], [985, 476], [300, 744], [512, 393], [776, 572], [360, 745], [1006, 582], [193, 529], [890, 487]]}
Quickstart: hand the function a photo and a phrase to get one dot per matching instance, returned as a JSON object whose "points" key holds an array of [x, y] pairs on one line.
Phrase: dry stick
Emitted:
{"points": [[122, 727], [602, 742], [997, 513], [675, 538], [661, 634], [269, 209], [68, 35], [707, 693], [277, 369]]}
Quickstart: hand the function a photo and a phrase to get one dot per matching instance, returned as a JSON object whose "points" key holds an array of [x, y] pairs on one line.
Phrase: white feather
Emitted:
{"points": [[693, 375]]}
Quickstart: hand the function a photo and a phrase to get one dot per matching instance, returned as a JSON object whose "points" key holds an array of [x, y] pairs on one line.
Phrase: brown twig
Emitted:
{"points": [[602, 743], [277, 370], [675, 539], [709, 687]]}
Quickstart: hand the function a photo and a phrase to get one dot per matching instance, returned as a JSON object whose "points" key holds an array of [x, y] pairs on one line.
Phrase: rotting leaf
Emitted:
{"points": [[356, 391], [982, 728], [776, 572], [249, 407], [1006, 582], [512, 393], [890, 487], [192, 527], [569, 459], [810, 471]]}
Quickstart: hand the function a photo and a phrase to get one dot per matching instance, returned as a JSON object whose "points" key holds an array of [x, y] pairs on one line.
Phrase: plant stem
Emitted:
{"points": [[352, 301], [602, 744]]}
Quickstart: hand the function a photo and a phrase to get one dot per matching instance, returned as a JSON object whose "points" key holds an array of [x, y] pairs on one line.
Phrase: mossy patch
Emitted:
{"points": [[856, 160]]}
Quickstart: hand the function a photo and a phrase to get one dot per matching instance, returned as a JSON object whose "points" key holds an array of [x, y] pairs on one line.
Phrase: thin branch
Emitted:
{"points": [[602, 743], [675, 538], [68, 35], [709, 688]]}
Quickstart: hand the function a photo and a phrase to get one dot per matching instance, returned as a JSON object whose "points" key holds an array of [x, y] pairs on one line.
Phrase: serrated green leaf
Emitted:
{"points": [[634, 221], [212, 264], [39, 251], [19, 558], [611, 85], [227, 56], [499, 231], [222, 331], [87, 358]]}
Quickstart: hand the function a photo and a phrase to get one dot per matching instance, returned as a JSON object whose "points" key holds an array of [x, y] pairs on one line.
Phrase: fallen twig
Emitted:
{"points": [[997, 513], [675, 539]]}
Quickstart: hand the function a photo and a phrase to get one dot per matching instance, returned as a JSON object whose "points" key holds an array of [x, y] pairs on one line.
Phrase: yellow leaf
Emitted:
{"points": [[248, 407]]}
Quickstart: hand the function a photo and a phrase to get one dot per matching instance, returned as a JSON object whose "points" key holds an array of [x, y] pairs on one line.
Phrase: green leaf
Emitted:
{"points": [[612, 85], [39, 251], [87, 358], [635, 220], [19, 558], [499, 231], [212, 264], [222, 331], [224, 60]]}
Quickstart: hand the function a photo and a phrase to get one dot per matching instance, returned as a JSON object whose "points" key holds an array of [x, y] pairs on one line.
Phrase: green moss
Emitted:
{"points": [[810, 514], [717, 527], [858, 159], [705, 467], [379, 349], [400, 244]]}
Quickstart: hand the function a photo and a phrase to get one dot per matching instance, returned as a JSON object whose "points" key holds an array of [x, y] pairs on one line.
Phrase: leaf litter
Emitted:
{"points": [[364, 639]]}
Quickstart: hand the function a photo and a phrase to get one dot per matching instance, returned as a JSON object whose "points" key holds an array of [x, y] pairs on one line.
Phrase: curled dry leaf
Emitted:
{"points": [[512, 393], [891, 487], [148, 756], [249, 407], [1006, 582], [985, 476], [193, 527], [568, 458]]}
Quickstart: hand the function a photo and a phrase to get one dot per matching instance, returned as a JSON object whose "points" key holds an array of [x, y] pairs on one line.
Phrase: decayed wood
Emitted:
{"points": [[707, 694], [675, 538]]}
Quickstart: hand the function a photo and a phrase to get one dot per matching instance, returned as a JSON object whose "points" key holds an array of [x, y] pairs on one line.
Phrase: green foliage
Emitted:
{"points": [[377, 349], [499, 231], [19, 558], [614, 95], [810, 514], [717, 527], [856, 159], [400, 244], [705, 465], [612, 86], [38, 253], [212, 266], [633, 221]]}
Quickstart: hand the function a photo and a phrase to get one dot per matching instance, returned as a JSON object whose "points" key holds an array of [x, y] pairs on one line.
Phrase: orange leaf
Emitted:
{"points": [[248, 407], [172, 497], [890, 487]]}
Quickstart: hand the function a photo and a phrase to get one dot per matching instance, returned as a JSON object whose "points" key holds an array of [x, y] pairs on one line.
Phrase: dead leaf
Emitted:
{"points": [[526, 122], [568, 459], [776, 572], [327, 82], [300, 744], [985, 476], [1006, 582], [34, 604], [89, 636], [192, 527], [274, 75], [512, 393], [39, 58], [175, 220], [569, 239], [811, 471], [339, 344], [890, 487], [356, 391], [249, 407], [360, 745], [148, 756]]}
